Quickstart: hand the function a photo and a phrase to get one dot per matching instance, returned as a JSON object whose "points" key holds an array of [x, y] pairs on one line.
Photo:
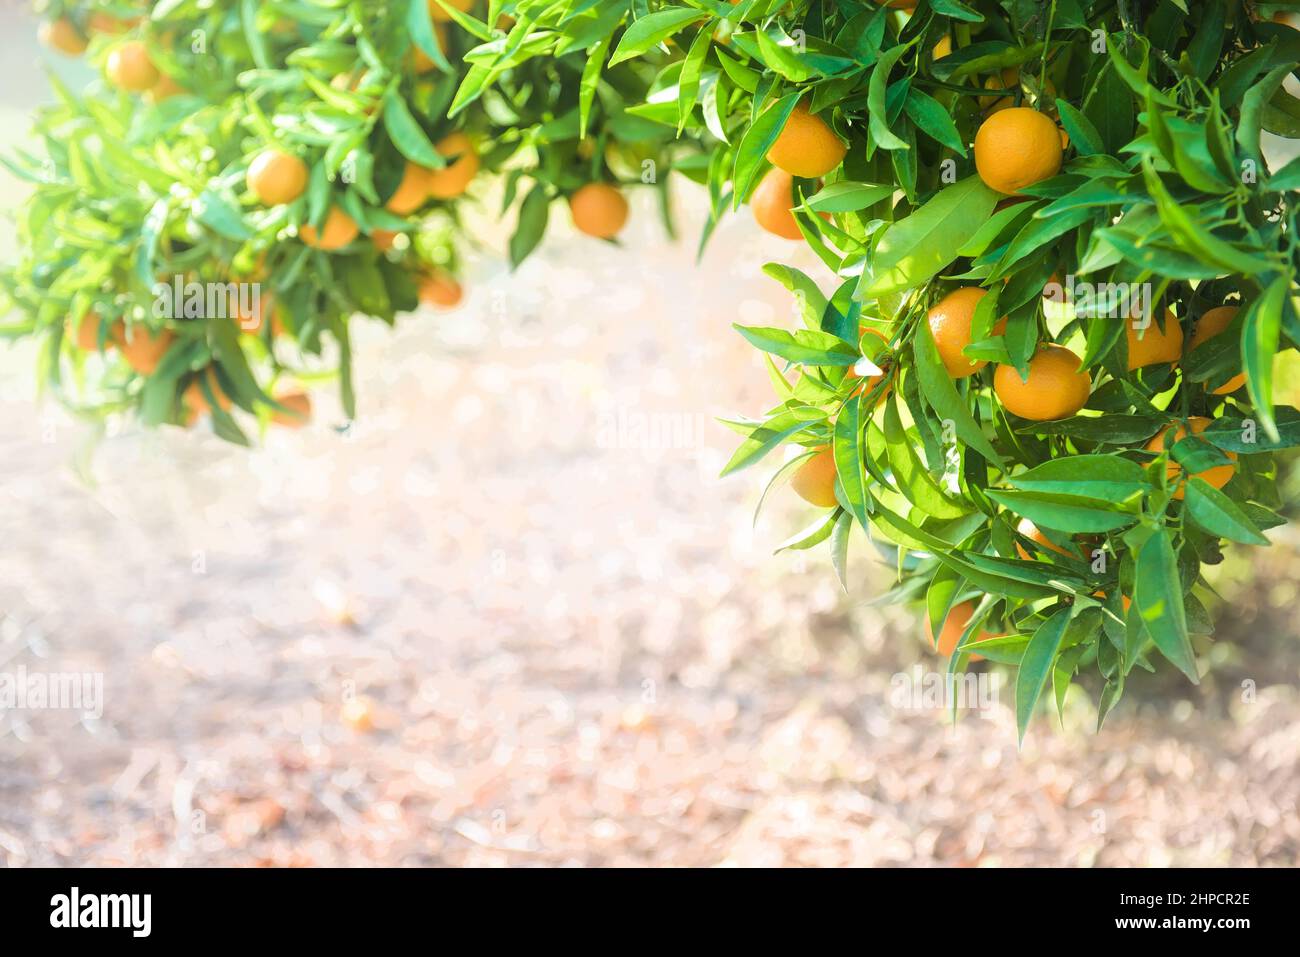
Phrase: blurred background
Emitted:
{"points": [[510, 616]]}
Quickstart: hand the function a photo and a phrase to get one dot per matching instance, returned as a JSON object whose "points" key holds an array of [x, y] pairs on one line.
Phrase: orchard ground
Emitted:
{"points": [[570, 643]]}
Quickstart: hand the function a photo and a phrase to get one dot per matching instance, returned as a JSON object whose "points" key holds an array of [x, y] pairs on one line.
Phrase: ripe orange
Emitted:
{"points": [[1156, 345], [383, 239], [950, 324], [599, 210], [86, 333], [252, 323], [453, 179], [164, 89], [1211, 324], [440, 288], [1217, 475], [1056, 387], [411, 192], [276, 177], [814, 481], [771, 203], [131, 68], [958, 618], [299, 406], [1031, 532], [440, 15], [340, 229], [1017, 147], [806, 147], [196, 400], [1007, 79], [63, 36], [107, 23], [143, 349]]}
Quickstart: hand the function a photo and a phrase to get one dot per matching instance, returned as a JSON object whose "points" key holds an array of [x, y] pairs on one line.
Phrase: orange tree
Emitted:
{"points": [[312, 151], [1043, 384], [1041, 381]]}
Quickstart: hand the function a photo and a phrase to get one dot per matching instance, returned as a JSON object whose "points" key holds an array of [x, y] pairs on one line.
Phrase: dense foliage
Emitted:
{"points": [[1063, 267]]}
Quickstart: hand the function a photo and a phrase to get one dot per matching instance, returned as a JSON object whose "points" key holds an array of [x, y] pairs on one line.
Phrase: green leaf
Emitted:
{"points": [[1219, 515], [1260, 333], [591, 81], [932, 118], [847, 449], [914, 249], [1083, 135], [406, 133], [914, 480], [811, 300], [1036, 666], [804, 346], [766, 436], [840, 548], [1090, 476], [758, 139], [876, 108], [848, 197], [1158, 598], [533, 214], [1065, 513], [941, 394], [653, 29]]}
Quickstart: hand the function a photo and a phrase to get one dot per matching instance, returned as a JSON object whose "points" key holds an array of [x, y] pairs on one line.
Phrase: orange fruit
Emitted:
{"points": [[1216, 475], [958, 618], [806, 146], [771, 203], [1007, 79], [299, 406], [164, 89], [1031, 532], [131, 68], [1056, 387], [107, 23], [196, 400], [340, 229], [440, 288], [950, 324], [942, 48], [1213, 322], [814, 481], [143, 349], [453, 179], [1156, 345], [276, 177], [439, 14], [1017, 147], [63, 36], [252, 323], [411, 192], [383, 239], [599, 210], [86, 333]]}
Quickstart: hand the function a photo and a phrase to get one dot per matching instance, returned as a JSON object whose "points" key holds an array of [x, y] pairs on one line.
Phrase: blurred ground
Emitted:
{"points": [[572, 645]]}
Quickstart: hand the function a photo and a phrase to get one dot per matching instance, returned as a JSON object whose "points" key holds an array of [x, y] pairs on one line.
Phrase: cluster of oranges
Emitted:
{"points": [[1015, 147], [275, 176]]}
